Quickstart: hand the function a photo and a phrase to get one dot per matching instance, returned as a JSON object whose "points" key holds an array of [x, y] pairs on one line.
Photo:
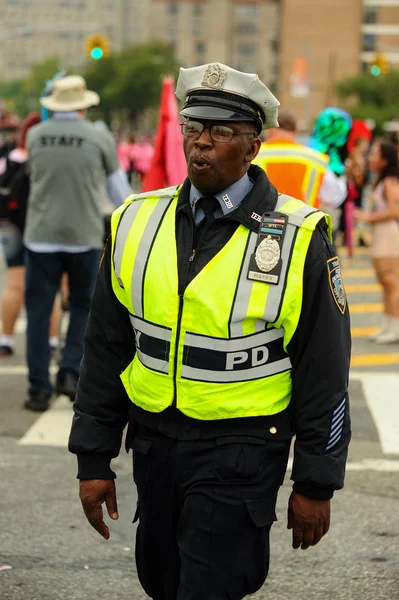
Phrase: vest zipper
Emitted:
{"points": [[182, 289], [174, 403]]}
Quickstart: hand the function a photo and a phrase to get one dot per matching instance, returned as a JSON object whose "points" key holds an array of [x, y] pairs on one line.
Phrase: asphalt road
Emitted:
{"points": [[55, 555]]}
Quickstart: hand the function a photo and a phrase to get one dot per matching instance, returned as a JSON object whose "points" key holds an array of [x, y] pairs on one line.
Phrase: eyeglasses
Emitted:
{"points": [[219, 133]]}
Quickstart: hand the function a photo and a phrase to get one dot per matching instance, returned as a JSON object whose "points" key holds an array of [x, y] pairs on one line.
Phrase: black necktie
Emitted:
{"points": [[209, 204]]}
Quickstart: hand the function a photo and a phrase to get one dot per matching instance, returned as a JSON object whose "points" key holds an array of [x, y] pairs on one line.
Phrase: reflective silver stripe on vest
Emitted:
{"points": [[244, 289], [125, 224], [260, 372], [311, 182], [234, 344], [275, 295], [290, 154], [153, 363], [162, 193], [143, 252], [150, 329], [237, 359], [160, 340]]}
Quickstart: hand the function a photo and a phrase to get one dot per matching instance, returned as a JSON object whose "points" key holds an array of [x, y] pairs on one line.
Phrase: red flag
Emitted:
{"points": [[168, 166]]}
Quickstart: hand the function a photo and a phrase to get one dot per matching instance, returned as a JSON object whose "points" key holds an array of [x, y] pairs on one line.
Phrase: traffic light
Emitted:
{"points": [[379, 65], [97, 46]]}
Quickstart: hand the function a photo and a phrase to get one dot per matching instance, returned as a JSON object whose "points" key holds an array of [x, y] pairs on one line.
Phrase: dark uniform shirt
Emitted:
{"points": [[319, 353]]}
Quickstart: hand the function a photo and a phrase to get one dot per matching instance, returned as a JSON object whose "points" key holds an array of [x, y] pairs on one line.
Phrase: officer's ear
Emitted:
{"points": [[253, 148]]}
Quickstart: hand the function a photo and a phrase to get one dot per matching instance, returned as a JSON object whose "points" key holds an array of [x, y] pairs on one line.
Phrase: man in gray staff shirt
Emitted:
{"points": [[68, 159]]}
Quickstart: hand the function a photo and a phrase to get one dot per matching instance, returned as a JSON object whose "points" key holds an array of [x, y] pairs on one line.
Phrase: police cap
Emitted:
{"points": [[217, 92]]}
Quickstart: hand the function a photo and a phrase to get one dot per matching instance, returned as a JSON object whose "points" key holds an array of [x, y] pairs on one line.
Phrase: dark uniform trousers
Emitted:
{"points": [[205, 509]]}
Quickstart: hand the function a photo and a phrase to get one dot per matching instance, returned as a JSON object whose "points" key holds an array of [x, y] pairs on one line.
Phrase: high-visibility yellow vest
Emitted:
{"points": [[220, 350], [294, 169]]}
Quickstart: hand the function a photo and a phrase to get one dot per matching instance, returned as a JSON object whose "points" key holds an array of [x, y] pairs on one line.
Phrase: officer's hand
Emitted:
{"points": [[92, 493], [309, 520]]}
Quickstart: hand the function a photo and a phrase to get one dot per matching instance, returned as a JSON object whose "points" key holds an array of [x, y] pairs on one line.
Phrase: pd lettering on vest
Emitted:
{"points": [[253, 358]]}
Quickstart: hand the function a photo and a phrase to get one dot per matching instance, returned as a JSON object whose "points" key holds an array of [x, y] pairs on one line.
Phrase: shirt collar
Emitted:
{"points": [[228, 199], [72, 114]]}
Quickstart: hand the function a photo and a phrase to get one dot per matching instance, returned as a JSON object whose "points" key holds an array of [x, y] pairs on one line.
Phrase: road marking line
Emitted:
{"points": [[368, 360], [358, 273], [21, 369], [365, 308], [20, 325], [52, 427], [367, 464], [360, 332], [362, 287], [374, 464], [381, 395]]}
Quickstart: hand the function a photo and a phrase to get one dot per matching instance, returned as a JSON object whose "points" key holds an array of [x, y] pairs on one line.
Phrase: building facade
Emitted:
{"points": [[33, 30], [299, 48], [242, 34], [320, 44], [380, 31]]}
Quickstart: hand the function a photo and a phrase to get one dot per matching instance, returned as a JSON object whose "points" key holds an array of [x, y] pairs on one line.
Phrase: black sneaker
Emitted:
{"points": [[39, 401], [6, 351], [67, 384]]}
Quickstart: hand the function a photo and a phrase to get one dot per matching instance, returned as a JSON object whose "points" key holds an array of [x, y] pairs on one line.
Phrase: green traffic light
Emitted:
{"points": [[375, 70], [96, 53]]}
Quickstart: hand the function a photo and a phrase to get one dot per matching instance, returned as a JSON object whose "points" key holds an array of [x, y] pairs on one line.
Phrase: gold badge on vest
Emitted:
{"points": [[265, 263]]}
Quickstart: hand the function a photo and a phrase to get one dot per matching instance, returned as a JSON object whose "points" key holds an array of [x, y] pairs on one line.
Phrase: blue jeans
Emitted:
{"points": [[43, 276]]}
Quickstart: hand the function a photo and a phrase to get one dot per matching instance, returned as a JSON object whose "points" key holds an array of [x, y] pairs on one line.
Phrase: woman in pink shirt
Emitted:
{"points": [[384, 221]]}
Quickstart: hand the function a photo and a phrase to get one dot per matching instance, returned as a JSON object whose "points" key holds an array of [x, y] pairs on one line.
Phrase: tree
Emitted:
{"points": [[25, 93], [368, 97], [131, 81]]}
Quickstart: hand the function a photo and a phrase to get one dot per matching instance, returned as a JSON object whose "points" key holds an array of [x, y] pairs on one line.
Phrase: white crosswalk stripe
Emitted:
{"points": [[20, 326], [52, 427], [382, 397], [380, 391]]}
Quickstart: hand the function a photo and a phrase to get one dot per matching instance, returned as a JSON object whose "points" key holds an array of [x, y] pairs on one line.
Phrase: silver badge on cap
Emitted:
{"points": [[214, 77], [267, 255]]}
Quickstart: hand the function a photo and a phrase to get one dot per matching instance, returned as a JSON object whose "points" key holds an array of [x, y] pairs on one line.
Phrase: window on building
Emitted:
{"points": [[369, 42], [246, 10], [246, 66], [246, 49], [370, 14], [275, 46], [200, 47], [173, 9], [247, 28], [365, 67], [198, 9]]}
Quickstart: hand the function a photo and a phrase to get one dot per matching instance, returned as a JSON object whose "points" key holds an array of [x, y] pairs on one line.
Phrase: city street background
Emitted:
{"points": [[55, 555]]}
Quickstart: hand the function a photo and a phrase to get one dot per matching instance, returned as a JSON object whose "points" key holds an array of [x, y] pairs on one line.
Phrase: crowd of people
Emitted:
{"points": [[359, 178], [213, 380], [15, 186]]}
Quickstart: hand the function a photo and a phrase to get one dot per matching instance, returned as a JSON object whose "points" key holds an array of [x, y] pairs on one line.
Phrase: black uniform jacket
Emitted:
{"points": [[319, 352]]}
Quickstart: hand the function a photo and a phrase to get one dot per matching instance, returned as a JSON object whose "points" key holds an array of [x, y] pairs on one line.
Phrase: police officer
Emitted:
{"points": [[218, 330]]}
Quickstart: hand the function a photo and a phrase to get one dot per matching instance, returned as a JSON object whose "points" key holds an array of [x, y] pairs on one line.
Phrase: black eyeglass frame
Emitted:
{"points": [[209, 128]]}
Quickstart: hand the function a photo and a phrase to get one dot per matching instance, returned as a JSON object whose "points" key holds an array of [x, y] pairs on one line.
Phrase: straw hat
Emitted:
{"points": [[70, 93]]}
